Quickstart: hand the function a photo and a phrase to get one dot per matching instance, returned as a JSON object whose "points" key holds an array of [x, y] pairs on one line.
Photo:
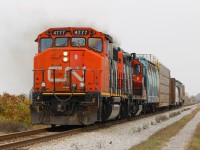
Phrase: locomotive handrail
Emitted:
{"points": [[38, 69]]}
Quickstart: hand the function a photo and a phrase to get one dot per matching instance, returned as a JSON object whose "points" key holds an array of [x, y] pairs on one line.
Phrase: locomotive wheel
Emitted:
{"points": [[135, 109], [53, 125], [124, 110], [144, 111], [106, 110], [152, 108]]}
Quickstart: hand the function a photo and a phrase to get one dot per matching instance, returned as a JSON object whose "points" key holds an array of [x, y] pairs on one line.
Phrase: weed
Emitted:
{"points": [[161, 118], [99, 146], [145, 126], [153, 123], [8, 126], [173, 114], [75, 146], [186, 109], [138, 129]]}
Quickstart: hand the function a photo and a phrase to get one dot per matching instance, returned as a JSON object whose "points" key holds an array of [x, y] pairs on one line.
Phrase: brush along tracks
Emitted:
{"points": [[16, 140]]}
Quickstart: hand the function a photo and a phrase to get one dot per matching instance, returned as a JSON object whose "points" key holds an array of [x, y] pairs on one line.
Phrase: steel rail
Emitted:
{"points": [[18, 144], [22, 134]]}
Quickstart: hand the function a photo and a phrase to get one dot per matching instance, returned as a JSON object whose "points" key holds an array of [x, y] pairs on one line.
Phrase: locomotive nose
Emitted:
{"points": [[66, 70]]}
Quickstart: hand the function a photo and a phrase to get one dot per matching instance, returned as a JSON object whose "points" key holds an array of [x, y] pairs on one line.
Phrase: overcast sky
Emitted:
{"points": [[169, 29]]}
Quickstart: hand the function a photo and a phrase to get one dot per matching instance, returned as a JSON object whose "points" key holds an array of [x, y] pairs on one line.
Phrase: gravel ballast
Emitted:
{"points": [[119, 137]]}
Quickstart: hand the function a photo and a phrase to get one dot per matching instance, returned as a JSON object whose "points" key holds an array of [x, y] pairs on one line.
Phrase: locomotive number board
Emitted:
{"points": [[81, 32], [59, 32]]}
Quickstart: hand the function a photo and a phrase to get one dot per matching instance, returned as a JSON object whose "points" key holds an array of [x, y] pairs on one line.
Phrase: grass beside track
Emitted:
{"points": [[195, 142], [157, 140]]}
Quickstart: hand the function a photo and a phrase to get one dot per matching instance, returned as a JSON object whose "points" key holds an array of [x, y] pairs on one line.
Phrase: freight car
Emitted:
{"points": [[80, 77], [177, 93]]}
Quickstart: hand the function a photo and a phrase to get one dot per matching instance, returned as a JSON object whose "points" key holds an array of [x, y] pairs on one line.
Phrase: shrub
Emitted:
{"points": [[186, 109], [15, 108], [161, 118], [138, 129], [8, 126], [173, 114], [145, 126]]}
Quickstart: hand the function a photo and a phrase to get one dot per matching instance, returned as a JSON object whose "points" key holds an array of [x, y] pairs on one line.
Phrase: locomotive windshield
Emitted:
{"points": [[137, 69], [93, 43], [61, 42], [78, 42], [96, 44], [45, 43]]}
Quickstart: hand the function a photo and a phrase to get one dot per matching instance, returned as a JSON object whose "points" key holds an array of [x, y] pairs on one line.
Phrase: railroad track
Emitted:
{"points": [[6, 141], [22, 134], [16, 140], [11, 141]]}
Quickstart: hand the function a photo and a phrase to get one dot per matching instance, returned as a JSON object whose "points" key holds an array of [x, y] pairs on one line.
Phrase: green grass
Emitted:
{"points": [[195, 142]]}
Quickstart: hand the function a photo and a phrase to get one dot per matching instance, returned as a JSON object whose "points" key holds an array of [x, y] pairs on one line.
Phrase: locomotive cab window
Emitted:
{"points": [[61, 42], [96, 44], [137, 69], [78, 42], [45, 43]]}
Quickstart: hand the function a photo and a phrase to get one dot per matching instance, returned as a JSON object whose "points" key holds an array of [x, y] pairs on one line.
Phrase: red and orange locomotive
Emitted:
{"points": [[81, 78]]}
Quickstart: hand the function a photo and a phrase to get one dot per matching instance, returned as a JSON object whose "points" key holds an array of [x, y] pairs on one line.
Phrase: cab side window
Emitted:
{"points": [[96, 44], [137, 69]]}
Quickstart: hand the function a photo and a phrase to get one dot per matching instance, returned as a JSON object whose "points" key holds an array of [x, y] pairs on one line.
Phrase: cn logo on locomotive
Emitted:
{"points": [[81, 79]]}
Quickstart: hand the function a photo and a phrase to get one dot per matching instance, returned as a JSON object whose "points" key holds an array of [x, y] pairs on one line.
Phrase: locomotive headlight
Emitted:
{"points": [[82, 84], [43, 84], [65, 53], [65, 59]]}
